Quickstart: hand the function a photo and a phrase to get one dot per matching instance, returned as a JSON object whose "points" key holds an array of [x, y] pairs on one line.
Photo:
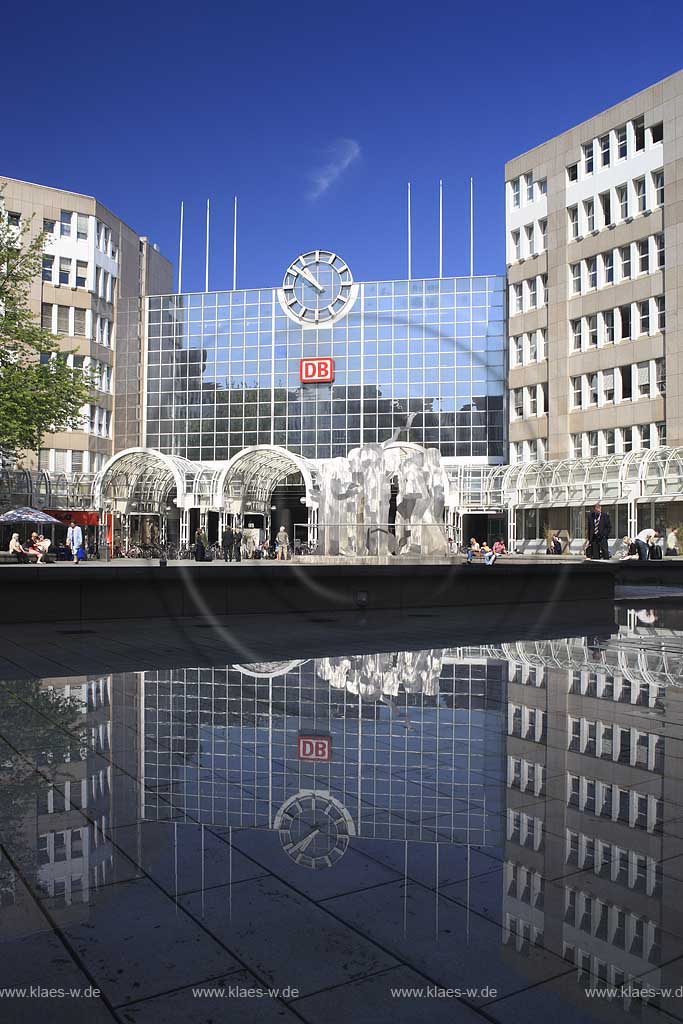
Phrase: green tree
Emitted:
{"points": [[36, 397]]}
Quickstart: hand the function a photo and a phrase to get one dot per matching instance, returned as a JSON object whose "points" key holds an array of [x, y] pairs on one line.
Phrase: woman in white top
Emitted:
{"points": [[671, 542], [15, 548]]}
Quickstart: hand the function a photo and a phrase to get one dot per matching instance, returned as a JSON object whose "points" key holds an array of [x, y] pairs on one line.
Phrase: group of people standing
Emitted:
{"points": [[234, 546], [644, 546]]}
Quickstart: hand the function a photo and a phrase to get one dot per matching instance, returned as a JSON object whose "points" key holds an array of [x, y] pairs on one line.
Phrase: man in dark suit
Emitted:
{"points": [[599, 528], [228, 542]]}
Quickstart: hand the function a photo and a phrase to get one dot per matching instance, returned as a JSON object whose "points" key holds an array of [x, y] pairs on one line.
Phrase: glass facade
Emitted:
{"points": [[423, 357]]}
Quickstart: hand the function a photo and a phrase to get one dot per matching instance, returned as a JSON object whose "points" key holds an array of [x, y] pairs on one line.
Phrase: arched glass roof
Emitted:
{"points": [[146, 477]]}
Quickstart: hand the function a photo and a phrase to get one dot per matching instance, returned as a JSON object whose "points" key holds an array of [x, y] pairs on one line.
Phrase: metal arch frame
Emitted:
{"points": [[280, 460], [138, 465], [269, 669]]}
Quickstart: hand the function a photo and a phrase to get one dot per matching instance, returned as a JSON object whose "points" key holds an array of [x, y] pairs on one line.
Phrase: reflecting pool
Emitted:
{"points": [[473, 833]]}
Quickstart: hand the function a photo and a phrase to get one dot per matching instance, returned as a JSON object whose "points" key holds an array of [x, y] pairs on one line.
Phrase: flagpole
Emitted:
{"points": [[440, 227], [410, 239], [180, 251], [206, 274], [471, 227], [234, 247]]}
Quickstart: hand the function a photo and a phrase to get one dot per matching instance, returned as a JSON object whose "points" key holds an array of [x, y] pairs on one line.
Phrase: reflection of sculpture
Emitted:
{"points": [[374, 676]]}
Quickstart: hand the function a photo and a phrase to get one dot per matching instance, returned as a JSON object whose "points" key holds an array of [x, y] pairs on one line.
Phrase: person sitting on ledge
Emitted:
{"points": [[554, 545], [473, 549], [499, 547], [628, 550], [488, 554], [15, 548]]}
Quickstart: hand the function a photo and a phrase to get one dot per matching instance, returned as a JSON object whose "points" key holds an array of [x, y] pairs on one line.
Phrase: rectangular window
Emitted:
{"points": [[542, 186], [573, 172], [641, 197], [518, 402], [593, 331], [533, 294], [660, 429], [592, 269], [608, 267], [643, 256], [76, 465], [516, 245], [658, 184], [657, 133], [593, 449], [542, 346], [592, 389], [575, 270], [625, 317], [573, 213], [659, 250], [65, 223], [588, 158], [608, 323], [48, 226], [544, 289], [643, 378], [533, 400], [543, 229], [48, 267], [661, 313], [81, 225], [529, 229], [517, 349], [589, 211], [576, 393], [608, 386], [576, 335], [660, 376], [533, 351], [13, 219], [606, 206], [622, 142], [517, 292], [625, 257], [63, 319], [639, 133], [626, 439], [626, 383], [644, 315], [64, 270], [622, 199], [81, 274], [46, 316], [79, 322], [576, 446], [529, 179], [604, 151], [515, 193]]}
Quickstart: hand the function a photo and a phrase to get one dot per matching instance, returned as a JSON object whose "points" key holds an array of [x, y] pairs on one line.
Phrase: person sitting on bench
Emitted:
{"points": [[15, 548]]}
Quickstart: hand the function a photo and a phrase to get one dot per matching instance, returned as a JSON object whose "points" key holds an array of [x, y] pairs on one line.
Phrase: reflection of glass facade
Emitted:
{"points": [[223, 371]]}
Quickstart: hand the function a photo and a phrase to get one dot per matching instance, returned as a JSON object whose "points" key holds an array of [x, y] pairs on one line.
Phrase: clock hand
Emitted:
{"points": [[308, 276], [304, 843]]}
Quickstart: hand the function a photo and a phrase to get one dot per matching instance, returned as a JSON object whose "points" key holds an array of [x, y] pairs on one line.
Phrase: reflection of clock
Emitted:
{"points": [[317, 288], [314, 829]]}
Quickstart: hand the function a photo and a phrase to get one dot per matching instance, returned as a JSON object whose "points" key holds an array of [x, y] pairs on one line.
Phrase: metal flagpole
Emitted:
{"points": [[440, 227], [206, 275], [234, 247], [471, 227], [180, 252], [410, 240]]}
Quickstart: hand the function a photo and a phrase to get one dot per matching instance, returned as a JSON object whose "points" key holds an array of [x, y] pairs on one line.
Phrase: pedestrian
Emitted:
{"points": [[671, 542], [598, 528], [228, 543], [282, 544], [199, 545], [238, 544], [643, 541], [74, 541]]}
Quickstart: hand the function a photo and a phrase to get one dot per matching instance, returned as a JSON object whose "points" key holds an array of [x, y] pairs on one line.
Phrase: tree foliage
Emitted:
{"points": [[36, 398]]}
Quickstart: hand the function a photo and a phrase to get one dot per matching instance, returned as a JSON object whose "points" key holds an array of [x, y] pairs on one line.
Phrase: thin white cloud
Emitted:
{"points": [[342, 154]]}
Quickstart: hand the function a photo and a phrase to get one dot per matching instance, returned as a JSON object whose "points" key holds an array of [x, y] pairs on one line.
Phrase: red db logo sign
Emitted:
{"points": [[314, 748], [316, 371]]}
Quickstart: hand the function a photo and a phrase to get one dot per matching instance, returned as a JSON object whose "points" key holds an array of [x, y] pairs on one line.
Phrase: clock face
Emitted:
{"points": [[314, 829], [318, 286]]}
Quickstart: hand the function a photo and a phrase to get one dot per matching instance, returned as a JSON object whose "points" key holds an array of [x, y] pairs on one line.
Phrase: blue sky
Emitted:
{"points": [[316, 115]]}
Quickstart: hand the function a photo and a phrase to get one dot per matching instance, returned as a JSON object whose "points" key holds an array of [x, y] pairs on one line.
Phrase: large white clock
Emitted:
{"points": [[314, 829], [318, 288]]}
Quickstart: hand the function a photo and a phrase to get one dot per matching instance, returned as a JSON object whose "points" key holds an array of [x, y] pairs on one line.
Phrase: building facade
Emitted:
{"points": [[91, 261], [594, 229], [423, 359]]}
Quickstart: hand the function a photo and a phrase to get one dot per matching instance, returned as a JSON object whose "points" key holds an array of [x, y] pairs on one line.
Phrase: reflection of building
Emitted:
{"points": [[409, 753], [92, 260]]}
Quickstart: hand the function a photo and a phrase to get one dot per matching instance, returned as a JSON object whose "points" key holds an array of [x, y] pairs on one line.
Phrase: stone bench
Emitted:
{"points": [[9, 559]]}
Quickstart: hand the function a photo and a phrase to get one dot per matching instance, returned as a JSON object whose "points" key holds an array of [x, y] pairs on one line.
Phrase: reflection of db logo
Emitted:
{"points": [[314, 748], [319, 370]]}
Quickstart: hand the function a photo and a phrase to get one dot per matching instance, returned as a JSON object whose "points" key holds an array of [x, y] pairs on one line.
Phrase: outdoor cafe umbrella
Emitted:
{"points": [[27, 515]]}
